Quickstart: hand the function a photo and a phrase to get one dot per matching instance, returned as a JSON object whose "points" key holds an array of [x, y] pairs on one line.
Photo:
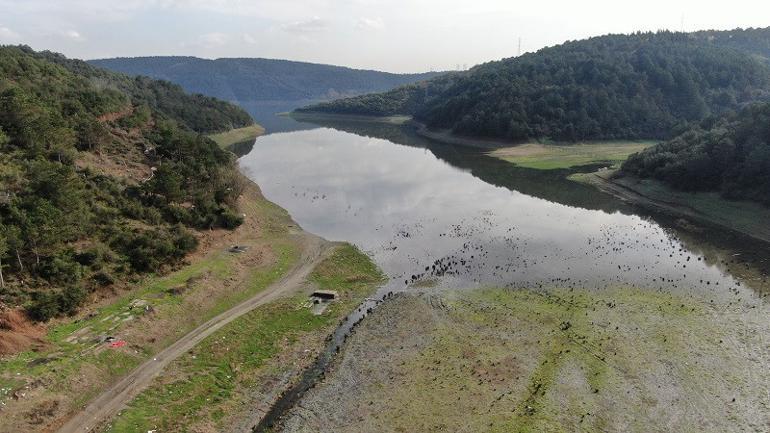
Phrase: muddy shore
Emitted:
{"points": [[503, 360], [749, 219]]}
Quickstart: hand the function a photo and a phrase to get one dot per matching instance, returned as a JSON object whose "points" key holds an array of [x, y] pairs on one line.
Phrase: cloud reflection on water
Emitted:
{"points": [[408, 208]]}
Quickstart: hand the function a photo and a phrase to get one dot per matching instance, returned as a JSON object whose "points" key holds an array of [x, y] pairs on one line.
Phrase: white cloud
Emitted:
{"points": [[370, 23], [9, 36], [214, 39], [249, 39], [313, 25], [73, 34]]}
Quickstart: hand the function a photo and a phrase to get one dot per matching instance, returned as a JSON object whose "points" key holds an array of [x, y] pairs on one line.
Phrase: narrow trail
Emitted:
{"points": [[111, 401]]}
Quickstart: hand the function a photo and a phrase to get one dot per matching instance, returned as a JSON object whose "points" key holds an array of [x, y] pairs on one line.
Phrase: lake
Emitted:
{"points": [[439, 216]]}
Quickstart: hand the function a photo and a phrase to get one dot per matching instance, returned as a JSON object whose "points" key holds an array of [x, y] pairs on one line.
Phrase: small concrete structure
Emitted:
{"points": [[320, 300], [325, 295], [237, 249]]}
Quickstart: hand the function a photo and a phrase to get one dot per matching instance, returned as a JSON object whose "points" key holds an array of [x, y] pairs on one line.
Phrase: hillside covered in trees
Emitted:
{"points": [[753, 41], [249, 79], [729, 155], [102, 176], [645, 85]]}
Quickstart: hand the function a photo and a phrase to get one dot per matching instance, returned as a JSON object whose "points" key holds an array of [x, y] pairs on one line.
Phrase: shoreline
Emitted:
{"points": [[745, 218], [442, 136], [447, 137], [310, 115]]}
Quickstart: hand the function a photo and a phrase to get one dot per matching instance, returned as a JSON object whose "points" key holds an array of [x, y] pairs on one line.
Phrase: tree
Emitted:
{"points": [[3, 252]]}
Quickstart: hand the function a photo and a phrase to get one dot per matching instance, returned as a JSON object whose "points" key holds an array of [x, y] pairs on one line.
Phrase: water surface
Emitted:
{"points": [[449, 216]]}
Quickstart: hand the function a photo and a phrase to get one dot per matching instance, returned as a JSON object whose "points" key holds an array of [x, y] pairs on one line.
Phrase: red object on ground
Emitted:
{"points": [[117, 344]]}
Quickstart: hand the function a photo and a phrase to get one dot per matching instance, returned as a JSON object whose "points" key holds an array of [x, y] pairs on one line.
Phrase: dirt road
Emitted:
{"points": [[106, 405]]}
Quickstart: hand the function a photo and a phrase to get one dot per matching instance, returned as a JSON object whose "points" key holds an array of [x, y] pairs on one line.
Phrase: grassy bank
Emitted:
{"points": [[234, 137], [234, 374], [551, 156], [747, 218], [520, 361], [75, 364]]}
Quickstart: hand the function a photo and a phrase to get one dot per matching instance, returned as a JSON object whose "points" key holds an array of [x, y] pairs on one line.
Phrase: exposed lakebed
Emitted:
{"points": [[446, 223]]}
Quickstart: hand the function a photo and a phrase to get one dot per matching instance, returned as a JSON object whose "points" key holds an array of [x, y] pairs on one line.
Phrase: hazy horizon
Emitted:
{"points": [[393, 36]]}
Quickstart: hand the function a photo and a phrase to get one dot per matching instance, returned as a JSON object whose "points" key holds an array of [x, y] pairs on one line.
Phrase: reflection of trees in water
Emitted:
{"points": [[726, 249], [550, 185]]}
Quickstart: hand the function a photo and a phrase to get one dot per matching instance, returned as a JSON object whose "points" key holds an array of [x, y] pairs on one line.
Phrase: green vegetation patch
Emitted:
{"points": [[227, 139], [207, 383], [549, 156], [348, 270]]}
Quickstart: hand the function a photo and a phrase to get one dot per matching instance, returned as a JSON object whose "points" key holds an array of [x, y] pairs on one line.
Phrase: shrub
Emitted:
{"points": [[46, 305]]}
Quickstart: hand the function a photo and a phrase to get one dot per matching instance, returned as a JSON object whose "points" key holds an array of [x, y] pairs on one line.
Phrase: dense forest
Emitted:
{"points": [[644, 85], [246, 80], [730, 155], [753, 41], [102, 176]]}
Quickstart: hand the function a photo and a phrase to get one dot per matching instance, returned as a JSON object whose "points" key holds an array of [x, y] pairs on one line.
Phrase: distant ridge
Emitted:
{"points": [[642, 85], [257, 79]]}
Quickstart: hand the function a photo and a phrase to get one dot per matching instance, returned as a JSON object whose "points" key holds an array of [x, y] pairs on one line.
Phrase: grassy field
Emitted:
{"points": [[242, 366], [623, 360], [549, 156], [75, 365], [231, 138]]}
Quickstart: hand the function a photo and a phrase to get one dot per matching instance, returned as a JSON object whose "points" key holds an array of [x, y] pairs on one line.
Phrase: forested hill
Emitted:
{"points": [[752, 41], [102, 176], [645, 85], [250, 79], [730, 156]]}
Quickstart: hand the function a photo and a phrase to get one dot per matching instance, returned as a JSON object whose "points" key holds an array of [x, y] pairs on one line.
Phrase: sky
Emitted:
{"points": [[388, 35]]}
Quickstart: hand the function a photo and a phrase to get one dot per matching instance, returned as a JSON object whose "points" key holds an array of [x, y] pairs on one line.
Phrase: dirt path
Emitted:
{"points": [[106, 405]]}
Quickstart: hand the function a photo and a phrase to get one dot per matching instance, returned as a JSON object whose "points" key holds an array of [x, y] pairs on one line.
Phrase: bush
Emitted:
{"points": [[229, 220], [103, 278], [150, 250], [61, 269], [47, 305]]}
